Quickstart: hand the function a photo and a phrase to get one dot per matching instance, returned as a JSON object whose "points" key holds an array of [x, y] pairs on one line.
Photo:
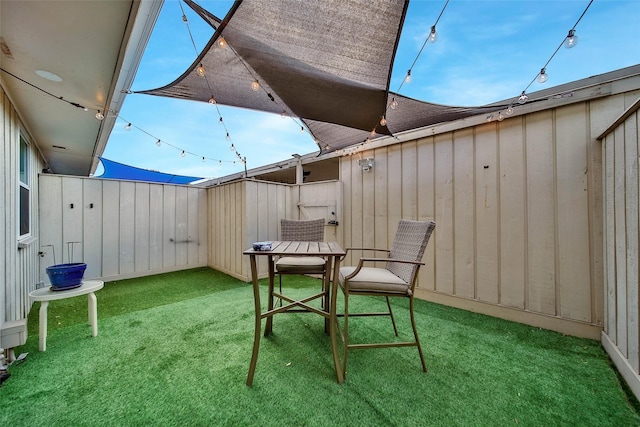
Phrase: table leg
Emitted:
{"points": [[258, 320], [93, 313], [43, 326], [326, 287], [269, 324], [333, 319]]}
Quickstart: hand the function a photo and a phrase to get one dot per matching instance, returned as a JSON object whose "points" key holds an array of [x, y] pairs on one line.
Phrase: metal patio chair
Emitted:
{"points": [[301, 231], [396, 279]]}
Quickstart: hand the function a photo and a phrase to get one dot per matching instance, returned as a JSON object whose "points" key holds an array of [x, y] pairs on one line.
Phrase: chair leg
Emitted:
{"points": [[280, 287], [393, 320], [415, 334], [345, 334]]}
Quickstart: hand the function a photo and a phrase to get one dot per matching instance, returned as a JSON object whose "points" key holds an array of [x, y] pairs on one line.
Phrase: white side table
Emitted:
{"points": [[44, 295]]}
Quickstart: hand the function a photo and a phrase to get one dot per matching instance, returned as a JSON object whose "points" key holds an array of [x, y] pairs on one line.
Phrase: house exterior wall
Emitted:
{"points": [[18, 258], [123, 229], [621, 186], [518, 208]]}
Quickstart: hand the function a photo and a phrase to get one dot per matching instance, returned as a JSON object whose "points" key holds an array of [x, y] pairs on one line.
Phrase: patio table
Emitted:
{"points": [[44, 295], [333, 252]]}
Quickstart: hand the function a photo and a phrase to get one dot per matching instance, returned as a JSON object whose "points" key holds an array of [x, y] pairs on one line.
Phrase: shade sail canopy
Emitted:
{"points": [[115, 170], [327, 63]]}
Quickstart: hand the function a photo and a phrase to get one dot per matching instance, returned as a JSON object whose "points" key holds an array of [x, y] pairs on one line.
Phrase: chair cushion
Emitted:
{"points": [[373, 279], [306, 264]]}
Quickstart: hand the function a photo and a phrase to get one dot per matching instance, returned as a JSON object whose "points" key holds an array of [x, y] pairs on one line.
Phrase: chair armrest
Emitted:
{"points": [[346, 251], [363, 260]]}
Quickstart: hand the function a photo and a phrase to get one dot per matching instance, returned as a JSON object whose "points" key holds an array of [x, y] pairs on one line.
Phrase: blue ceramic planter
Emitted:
{"points": [[66, 276]]}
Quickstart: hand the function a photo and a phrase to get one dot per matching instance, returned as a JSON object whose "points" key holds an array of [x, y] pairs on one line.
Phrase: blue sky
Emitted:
{"points": [[486, 51]]}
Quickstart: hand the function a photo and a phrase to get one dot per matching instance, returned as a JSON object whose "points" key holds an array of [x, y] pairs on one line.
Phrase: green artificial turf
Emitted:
{"points": [[174, 349]]}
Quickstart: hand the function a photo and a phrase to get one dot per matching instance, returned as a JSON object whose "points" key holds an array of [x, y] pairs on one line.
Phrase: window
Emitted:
{"points": [[25, 189]]}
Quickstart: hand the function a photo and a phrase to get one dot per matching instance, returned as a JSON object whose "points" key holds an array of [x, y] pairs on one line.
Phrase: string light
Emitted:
{"points": [[222, 42], [571, 39], [407, 78], [500, 116], [228, 137], [522, 98], [232, 148], [509, 110], [383, 121], [542, 77], [212, 100], [158, 143], [255, 86], [182, 154], [394, 104], [99, 115], [200, 70], [128, 127], [433, 36]]}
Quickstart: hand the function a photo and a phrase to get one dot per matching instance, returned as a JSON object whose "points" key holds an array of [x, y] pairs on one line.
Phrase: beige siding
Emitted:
{"points": [[123, 229], [621, 336], [18, 262], [517, 207], [248, 211]]}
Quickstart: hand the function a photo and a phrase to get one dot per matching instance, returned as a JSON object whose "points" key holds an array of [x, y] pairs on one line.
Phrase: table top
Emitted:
{"points": [[301, 248], [46, 294]]}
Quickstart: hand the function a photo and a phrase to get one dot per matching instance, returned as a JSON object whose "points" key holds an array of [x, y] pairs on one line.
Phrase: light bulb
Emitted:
{"points": [[158, 143], [182, 154], [490, 117], [232, 148], [394, 104], [383, 121], [222, 42], [128, 127], [433, 36], [255, 86], [99, 115], [301, 129], [283, 114], [373, 133], [523, 98], [220, 121], [203, 160], [571, 39], [543, 76], [184, 18], [212, 100], [500, 116], [407, 79], [200, 70], [509, 110]]}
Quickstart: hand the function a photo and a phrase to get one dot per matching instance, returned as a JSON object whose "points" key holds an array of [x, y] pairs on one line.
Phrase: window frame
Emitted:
{"points": [[24, 188]]}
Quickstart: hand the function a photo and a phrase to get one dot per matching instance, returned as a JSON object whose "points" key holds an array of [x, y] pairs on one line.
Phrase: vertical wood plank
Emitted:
{"points": [[574, 277], [92, 227], [111, 227], [182, 238], [444, 161], [72, 212], [629, 132], [169, 226], [381, 195], [156, 229], [513, 268], [426, 209], [127, 227], [487, 233], [541, 228], [463, 214], [141, 233]]}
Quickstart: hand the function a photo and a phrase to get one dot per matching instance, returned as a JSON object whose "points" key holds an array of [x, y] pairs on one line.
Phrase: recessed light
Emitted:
{"points": [[49, 75]]}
